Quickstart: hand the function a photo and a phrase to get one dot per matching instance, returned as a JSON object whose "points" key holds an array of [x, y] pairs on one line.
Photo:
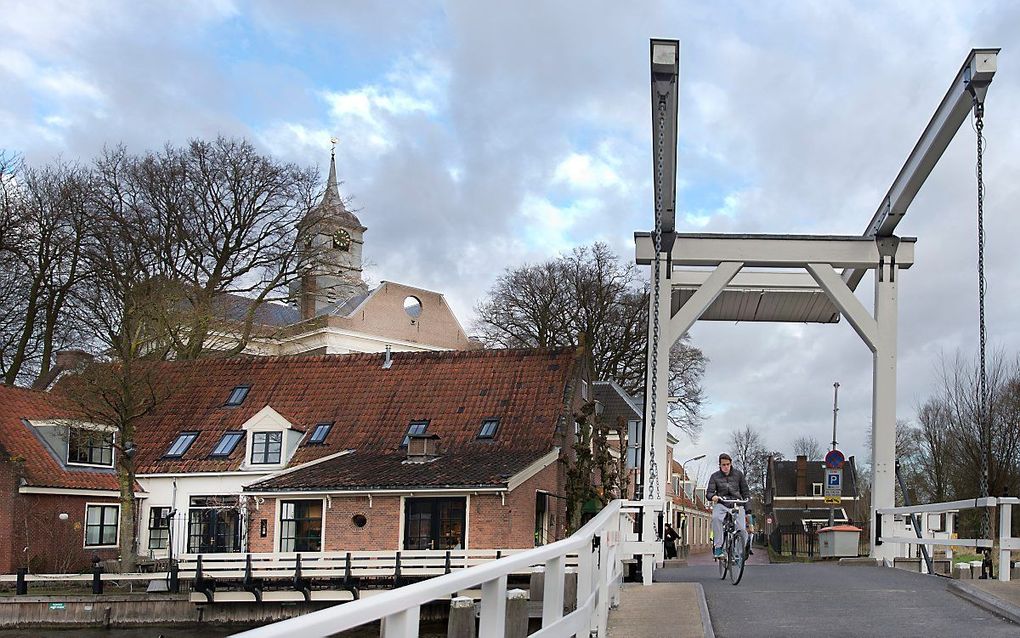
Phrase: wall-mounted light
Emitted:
{"points": [[63, 516], [263, 528]]}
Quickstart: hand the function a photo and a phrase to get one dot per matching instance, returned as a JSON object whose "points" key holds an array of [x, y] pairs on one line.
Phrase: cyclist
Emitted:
{"points": [[727, 483]]}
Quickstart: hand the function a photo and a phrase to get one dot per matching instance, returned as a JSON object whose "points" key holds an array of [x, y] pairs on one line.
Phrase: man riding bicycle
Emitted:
{"points": [[726, 484]]}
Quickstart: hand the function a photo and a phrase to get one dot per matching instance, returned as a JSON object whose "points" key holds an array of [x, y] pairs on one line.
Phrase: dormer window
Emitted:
{"points": [[181, 444], [238, 395], [416, 427], [320, 433], [227, 444], [90, 447], [266, 448], [489, 427]]}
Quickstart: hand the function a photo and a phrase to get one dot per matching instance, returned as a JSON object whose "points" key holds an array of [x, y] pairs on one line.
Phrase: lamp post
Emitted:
{"points": [[683, 468]]}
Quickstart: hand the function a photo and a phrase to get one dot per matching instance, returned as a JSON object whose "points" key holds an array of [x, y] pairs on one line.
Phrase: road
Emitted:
{"points": [[823, 599]]}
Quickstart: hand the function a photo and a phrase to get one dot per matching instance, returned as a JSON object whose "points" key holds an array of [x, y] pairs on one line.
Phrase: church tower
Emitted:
{"points": [[331, 240]]}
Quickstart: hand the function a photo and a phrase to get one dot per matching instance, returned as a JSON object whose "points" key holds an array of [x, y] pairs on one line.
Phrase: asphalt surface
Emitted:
{"points": [[814, 600]]}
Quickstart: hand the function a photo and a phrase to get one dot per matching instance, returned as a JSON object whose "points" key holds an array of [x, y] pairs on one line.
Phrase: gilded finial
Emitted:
{"points": [[332, 151]]}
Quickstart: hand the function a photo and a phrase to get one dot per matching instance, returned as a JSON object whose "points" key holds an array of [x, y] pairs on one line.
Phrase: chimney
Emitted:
{"points": [[71, 359], [387, 358], [802, 486], [422, 447]]}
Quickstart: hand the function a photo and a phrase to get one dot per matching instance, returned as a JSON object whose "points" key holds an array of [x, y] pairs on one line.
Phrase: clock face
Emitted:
{"points": [[342, 240]]}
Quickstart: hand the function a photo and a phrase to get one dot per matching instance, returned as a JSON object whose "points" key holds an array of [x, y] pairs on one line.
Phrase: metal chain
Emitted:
{"points": [[653, 470], [983, 412]]}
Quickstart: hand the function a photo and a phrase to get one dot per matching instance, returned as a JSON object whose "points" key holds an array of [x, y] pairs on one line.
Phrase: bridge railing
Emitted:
{"points": [[1007, 543], [600, 546]]}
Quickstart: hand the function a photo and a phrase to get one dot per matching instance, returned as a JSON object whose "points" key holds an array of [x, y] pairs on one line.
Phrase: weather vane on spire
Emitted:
{"points": [[333, 140]]}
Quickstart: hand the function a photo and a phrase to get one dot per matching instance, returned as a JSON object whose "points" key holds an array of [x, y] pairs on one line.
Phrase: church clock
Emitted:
{"points": [[342, 240]]}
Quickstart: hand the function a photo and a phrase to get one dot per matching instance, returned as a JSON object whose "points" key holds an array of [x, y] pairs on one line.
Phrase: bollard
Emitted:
{"points": [[536, 588], [22, 586], [961, 571], [570, 590], [97, 576], [462, 618], [516, 613]]}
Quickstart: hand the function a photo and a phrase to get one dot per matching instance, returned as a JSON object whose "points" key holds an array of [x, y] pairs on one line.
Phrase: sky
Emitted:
{"points": [[479, 136]]}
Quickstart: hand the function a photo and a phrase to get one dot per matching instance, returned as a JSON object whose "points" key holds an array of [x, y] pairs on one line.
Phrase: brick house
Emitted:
{"points": [[59, 498], [794, 494], [360, 451]]}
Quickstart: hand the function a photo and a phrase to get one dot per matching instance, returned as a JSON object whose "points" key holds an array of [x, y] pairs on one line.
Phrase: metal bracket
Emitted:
{"points": [[887, 247]]}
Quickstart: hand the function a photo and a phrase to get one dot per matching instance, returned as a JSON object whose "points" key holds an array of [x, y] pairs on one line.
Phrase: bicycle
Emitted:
{"points": [[734, 550]]}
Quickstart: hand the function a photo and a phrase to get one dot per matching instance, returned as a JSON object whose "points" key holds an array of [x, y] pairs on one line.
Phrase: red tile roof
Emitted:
{"points": [[371, 408], [19, 440]]}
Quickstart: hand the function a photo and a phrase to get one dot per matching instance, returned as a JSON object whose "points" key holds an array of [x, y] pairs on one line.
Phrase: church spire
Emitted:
{"points": [[332, 194]]}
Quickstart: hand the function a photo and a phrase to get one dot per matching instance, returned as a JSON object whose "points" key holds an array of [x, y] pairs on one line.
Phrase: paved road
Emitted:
{"points": [[814, 600]]}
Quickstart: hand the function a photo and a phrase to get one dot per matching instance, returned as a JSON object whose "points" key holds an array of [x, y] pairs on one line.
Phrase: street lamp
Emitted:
{"points": [[683, 466]]}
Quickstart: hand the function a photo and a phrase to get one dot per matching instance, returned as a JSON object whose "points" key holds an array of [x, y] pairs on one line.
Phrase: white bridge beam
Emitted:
{"points": [[773, 251]]}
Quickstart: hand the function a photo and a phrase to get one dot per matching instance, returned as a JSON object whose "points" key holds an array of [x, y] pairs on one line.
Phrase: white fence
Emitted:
{"points": [[601, 546], [1007, 543]]}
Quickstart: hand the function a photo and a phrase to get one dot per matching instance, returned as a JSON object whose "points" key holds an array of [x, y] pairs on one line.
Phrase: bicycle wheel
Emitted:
{"points": [[737, 553]]}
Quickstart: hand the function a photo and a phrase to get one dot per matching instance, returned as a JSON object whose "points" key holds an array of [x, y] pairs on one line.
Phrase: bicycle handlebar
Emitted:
{"points": [[733, 501]]}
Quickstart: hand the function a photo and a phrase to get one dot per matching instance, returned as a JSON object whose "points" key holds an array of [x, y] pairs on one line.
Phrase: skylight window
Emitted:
{"points": [[227, 444], [489, 427], [320, 433], [181, 444], [238, 395], [416, 427]]}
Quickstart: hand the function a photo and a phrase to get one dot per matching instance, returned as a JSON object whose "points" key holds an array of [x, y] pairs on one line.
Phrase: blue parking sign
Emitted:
{"points": [[833, 480]]}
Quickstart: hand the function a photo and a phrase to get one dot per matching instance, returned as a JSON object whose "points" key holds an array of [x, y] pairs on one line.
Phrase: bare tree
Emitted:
{"points": [[750, 456], [590, 292], [44, 267], [807, 446]]}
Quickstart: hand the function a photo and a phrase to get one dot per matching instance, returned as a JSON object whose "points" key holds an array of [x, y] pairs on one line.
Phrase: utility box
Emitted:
{"points": [[839, 540]]}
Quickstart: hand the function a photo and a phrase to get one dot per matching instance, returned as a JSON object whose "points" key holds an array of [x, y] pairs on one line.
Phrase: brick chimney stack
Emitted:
{"points": [[71, 359], [802, 486]]}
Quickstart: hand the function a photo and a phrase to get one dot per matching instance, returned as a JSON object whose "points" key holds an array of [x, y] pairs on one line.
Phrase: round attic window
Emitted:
{"points": [[359, 520], [412, 306]]}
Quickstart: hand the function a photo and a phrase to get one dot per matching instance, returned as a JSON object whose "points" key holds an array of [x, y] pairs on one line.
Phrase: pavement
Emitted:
{"points": [[806, 599], [660, 610], [1000, 598]]}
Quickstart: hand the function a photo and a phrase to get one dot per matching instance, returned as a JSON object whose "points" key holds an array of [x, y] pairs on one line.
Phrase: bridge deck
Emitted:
{"points": [[791, 600], [660, 610]]}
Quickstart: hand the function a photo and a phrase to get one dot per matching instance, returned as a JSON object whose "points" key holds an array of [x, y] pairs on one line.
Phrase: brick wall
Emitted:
{"points": [[512, 526], [32, 534]]}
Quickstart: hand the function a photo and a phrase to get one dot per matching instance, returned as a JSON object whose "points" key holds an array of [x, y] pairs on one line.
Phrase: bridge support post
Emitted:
{"points": [[516, 613], [883, 415], [462, 618]]}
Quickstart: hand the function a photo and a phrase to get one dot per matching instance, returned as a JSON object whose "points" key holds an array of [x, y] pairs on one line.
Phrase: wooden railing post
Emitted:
{"points": [[552, 593], [462, 618], [1005, 531], [493, 617], [22, 585]]}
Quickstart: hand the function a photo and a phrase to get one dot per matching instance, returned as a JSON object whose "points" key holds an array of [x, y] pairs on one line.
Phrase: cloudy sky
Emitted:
{"points": [[476, 136]]}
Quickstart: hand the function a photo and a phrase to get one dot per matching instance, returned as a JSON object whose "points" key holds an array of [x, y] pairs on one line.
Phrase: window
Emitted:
{"points": [[301, 526], [159, 527], [181, 444], [434, 523], [488, 430], [90, 447], [816, 489], [214, 525], [101, 525], [238, 394], [416, 427], [584, 389], [265, 447], [227, 444], [320, 433]]}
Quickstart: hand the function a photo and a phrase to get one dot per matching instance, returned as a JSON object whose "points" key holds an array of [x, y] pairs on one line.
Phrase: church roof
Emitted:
{"points": [[332, 205]]}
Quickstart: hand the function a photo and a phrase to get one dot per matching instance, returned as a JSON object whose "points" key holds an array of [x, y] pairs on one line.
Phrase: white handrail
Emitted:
{"points": [[401, 607]]}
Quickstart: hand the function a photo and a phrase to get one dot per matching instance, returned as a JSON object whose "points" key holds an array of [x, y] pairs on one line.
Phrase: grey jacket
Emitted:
{"points": [[732, 486]]}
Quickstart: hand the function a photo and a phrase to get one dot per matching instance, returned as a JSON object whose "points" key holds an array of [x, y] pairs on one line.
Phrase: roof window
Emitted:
{"points": [[489, 427], [320, 433], [181, 444], [416, 427], [227, 444], [238, 395]]}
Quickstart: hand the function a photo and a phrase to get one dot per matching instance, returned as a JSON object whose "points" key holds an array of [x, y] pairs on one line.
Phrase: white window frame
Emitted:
{"points": [[283, 449], [85, 527], [817, 489], [278, 541], [94, 428]]}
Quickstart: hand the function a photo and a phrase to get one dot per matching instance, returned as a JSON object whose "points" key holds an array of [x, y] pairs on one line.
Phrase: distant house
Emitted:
{"points": [[692, 519], [59, 496], [360, 452], [794, 494]]}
